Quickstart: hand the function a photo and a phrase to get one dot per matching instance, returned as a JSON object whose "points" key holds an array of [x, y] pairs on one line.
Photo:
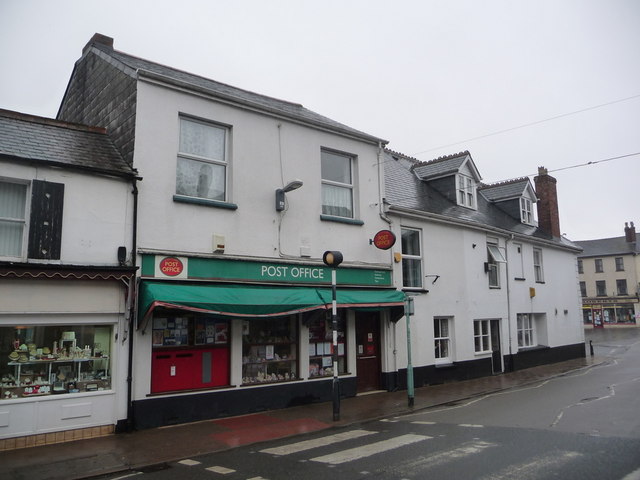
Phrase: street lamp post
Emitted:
{"points": [[333, 259], [408, 313]]}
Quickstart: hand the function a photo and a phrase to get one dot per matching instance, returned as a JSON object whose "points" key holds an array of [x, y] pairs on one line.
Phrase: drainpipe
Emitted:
{"points": [[382, 213], [133, 302]]}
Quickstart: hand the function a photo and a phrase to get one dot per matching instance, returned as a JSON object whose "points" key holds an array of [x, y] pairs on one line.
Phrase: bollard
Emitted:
{"points": [[591, 347]]}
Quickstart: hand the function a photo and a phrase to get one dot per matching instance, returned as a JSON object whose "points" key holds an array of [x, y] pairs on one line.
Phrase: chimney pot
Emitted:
{"points": [[630, 232]]}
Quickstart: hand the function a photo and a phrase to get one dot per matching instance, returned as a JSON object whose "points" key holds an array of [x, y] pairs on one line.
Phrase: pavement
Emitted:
{"points": [[150, 449]]}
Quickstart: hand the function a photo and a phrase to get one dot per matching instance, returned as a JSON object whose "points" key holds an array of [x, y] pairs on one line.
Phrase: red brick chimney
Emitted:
{"points": [[548, 218], [630, 232]]}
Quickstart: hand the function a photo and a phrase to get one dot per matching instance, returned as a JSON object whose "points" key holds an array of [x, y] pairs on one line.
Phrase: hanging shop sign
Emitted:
{"points": [[384, 239]]}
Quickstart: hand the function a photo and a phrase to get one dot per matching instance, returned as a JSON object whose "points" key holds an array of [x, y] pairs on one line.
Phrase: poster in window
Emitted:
{"points": [[341, 349], [221, 332], [158, 337], [312, 349], [269, 352], [327, 362], [159, 323]]}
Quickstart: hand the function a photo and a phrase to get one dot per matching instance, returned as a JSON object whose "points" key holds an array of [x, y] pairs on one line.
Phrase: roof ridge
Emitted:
{"points": [[501, 183], [51, 122], [405, 156], [441, 159], [110, 51]]}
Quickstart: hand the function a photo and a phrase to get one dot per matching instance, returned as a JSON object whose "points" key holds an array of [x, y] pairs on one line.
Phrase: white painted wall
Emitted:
{"points": [[265, 153], [97, 212]]}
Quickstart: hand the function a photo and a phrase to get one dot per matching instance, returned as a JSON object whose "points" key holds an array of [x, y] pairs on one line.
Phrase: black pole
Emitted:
{"points": [[591, 347], [334, 327]]}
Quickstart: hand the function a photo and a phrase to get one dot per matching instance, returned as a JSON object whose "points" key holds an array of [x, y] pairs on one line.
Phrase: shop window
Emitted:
{"points": [[190, 352], [321, 346], [269, 350], [50, 360]]}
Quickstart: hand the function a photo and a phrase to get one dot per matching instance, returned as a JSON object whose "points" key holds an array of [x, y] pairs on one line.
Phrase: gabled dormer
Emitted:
{"points": [[515, 197], [455, 176]]}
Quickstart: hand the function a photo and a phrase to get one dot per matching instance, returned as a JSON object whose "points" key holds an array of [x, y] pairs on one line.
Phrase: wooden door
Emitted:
{"points": [[368, 358]]}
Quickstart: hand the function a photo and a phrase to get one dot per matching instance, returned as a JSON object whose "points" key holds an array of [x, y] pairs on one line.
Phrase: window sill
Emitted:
{"points": [[532, 348], [414, 290], [540, 283], [349, 221], [204, 201], [445, 365], [518, 279]]}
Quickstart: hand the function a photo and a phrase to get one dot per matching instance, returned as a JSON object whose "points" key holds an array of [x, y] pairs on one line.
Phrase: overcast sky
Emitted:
{"points": [[520, 84]]}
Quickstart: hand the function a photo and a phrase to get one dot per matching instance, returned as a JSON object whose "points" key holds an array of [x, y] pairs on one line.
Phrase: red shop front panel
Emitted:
{"points": [[189, 369]]}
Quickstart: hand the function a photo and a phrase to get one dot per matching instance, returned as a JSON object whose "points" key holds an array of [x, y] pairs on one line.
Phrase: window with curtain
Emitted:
{"points": [[411, 258], [337, 184], [13, 198], [202, 161], [525, 330], [442, 339]]}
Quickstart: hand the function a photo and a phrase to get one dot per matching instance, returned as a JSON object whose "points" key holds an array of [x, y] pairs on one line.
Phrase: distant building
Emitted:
{"points": [[609, 275]]}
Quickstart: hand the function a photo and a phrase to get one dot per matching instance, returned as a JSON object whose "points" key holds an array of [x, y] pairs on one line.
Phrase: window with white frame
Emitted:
{"points": [[481, 336], [202, 160], [411, 258], [13, 198], [537, 265], [526, 331], [337, 184], [466, 191], [526, 215], [619, 264], [494, 258], [442, 339]]}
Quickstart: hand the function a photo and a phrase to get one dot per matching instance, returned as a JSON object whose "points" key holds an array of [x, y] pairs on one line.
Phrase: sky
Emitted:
{"points": [[519, 84]]}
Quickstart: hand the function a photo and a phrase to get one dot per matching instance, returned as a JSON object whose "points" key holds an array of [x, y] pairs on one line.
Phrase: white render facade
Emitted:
{"points": [[64, 318]]}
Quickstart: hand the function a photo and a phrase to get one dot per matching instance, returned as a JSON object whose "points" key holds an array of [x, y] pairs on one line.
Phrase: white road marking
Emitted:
{"points": [[420, 422], [220, 470], [532, 469], [470, 425], [317, 442], [370, 449], [189, 463], [430, 461]]}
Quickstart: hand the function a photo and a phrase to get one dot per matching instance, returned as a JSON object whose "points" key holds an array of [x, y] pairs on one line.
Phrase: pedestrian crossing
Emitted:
{"points": [[362, 451]]}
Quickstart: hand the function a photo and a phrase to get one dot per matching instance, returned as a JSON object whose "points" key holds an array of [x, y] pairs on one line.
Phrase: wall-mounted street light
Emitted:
{"points": [[333, 259], [280, 197]]}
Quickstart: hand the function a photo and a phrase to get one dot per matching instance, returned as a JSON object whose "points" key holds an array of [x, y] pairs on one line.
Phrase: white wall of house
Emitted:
{"points": [[462, 293], [264, 154], [97, 212]]}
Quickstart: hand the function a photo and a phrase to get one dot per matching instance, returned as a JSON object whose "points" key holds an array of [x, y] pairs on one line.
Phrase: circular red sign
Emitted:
{"points": [[384, 239], [171, 266]]}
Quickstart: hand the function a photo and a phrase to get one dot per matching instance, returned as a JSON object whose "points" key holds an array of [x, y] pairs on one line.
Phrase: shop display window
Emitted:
{"points": [[190, 352], [269, 350], [321, 346], [47, 360]]}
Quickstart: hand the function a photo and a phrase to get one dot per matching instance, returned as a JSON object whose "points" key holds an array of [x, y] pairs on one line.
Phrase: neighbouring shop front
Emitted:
{"points": [[63, 344], [601, 313], [219, 337]]}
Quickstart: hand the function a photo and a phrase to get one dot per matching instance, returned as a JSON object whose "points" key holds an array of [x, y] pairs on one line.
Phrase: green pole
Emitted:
{"points": [[408, 312]]}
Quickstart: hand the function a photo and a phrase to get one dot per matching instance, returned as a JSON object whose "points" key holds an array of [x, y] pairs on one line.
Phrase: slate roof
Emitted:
{"points": [[194, 82], [505, 190], [440, 167], [608, 246], [404, 189], [42, 140]]}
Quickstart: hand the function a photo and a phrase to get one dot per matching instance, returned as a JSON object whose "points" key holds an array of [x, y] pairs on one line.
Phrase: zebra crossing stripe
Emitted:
{"points": [[370, 449], [533, 469], [317, 442]]}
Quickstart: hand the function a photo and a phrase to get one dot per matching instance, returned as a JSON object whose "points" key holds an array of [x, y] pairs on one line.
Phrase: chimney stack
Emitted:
{"points": [[548, 217], [630, 232], [101, 39]]}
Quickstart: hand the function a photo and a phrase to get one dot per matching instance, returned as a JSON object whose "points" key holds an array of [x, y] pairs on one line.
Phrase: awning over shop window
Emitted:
{"points": [[259, 301]]}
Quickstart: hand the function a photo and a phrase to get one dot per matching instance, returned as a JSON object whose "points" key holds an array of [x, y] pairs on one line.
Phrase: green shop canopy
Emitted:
{"points": [[260, 301]]}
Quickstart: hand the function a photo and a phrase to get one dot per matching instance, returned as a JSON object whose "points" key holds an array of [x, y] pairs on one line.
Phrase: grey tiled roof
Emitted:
{"points": [[504, 190], [195, 82], [608, 246], [404, 189], [440, 167], [43, 140]]}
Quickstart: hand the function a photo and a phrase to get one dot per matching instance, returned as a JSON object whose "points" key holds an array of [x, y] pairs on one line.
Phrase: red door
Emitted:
{"points": [[368, 351]]}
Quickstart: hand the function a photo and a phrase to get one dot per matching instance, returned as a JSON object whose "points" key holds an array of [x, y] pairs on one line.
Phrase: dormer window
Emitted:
{"points": [[466, 191], [526, 215]]}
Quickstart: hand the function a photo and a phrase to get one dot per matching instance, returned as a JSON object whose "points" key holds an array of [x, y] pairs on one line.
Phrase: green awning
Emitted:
{"points": [[258, 301]]}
